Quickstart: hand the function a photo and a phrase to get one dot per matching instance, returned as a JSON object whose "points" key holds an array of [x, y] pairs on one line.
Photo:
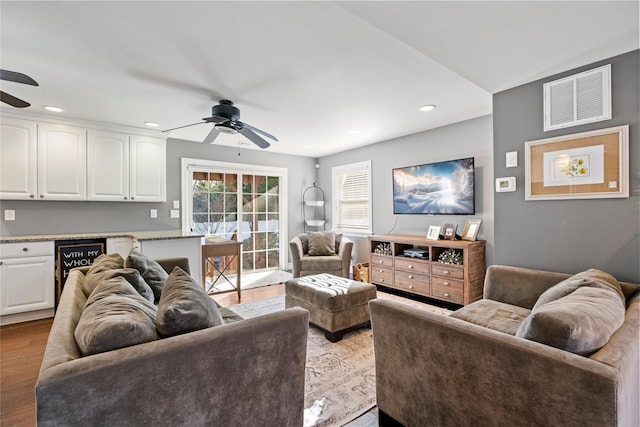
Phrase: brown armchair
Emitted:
{"points": [[321, 252]]}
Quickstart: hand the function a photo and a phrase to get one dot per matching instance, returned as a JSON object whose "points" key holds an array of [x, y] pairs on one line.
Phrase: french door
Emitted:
{"points": [[239, 202]]}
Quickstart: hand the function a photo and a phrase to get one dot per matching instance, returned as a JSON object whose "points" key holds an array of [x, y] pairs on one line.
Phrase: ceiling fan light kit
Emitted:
{"points": [[226, 119]]}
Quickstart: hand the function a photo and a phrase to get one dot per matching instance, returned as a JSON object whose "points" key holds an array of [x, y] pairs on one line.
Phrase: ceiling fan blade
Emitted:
{"points": [[211, 136], [13, 101], [261, 132], [185, 126], [253, 137], [14, 76]]}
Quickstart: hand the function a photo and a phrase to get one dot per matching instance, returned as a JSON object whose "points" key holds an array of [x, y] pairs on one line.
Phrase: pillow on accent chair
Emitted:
{"points": [[581, 322], [322, 243], [184, 306], [151, 272], [115, 316]]}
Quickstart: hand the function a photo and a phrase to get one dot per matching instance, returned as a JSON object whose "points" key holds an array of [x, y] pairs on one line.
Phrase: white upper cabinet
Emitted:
{"points": [[45, 161], [42, 161], [62, 162], [147, 169], [18, 159], [108, 166]]}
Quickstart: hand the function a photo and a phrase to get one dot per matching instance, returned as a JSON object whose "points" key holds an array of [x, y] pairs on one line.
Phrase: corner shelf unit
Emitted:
{"points": [[313, 208], [460, 281]]}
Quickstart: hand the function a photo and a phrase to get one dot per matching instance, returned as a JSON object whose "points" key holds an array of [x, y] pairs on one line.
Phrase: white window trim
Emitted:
{"points": [[338, 170], [244, 168]]}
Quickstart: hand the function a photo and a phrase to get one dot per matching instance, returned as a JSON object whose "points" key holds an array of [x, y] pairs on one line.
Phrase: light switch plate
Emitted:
{"points": [[174, 213], [9, 215], [511, 159], [176, 204], [506, 184], [153, 213]]}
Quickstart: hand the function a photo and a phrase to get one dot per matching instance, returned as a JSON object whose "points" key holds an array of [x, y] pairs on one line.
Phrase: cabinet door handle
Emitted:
{"points": [[32, 196], [25, 249], [125, 197], [42, 196]]}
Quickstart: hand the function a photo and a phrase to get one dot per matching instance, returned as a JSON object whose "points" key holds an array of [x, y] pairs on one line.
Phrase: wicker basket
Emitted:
{"points": [[361, 272]]}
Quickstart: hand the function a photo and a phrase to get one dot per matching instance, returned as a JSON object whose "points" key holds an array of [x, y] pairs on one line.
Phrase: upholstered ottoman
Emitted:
{"points": [[336, 305]]}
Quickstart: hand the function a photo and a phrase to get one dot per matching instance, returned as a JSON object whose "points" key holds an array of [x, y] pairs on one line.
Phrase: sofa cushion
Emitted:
{"points": [[151, 272], [131, 275], [184, 306], [580, 322], [495, 315], [115, 321], [592, 278], [322, 243]]}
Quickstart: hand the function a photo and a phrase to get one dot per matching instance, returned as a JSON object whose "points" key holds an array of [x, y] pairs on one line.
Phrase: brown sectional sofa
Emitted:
{"points": [[248, 372], [475, 368]]}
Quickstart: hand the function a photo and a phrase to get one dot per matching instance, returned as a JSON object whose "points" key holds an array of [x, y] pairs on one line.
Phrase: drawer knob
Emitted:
{"points": [[447, 295], [445, 283], [410, 277], [445, 272], [410, 266], [381, 271], [410, 286], [381, 261], [25, 249]]}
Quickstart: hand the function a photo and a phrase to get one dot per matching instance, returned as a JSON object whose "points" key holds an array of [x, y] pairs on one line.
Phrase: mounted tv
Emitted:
{"points": [[442, 188]]}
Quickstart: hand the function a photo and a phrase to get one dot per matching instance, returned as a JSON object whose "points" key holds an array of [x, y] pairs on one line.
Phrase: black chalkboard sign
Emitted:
{"points": [[75, 253]]}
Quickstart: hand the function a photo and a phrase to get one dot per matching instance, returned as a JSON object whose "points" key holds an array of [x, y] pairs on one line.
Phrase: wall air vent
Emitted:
{"points": [[578, 99]]}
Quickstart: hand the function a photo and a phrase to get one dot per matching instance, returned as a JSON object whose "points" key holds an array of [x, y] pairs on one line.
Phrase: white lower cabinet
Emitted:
{"points": [[27, 281], [120, 245]]}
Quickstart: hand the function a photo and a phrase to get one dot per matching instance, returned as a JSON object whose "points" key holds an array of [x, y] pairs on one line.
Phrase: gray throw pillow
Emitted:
{"points": [[322, 243], [104, 263], [184, 306], [131, 275], [592, 278], [115, 321], [581, 322], [338, 241], [151, 272], [304, 238]]}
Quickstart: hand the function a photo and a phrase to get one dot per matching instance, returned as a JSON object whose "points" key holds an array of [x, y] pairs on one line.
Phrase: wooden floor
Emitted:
{"points": [[22, 347]]}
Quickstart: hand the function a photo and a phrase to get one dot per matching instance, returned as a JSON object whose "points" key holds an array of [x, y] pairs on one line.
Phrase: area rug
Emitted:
{"points": [[341, 375]]}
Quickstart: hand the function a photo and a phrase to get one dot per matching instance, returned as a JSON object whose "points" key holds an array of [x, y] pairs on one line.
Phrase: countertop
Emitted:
{"points": [[136, 235]]}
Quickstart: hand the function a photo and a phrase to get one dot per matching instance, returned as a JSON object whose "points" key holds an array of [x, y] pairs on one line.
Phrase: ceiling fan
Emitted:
{"points": [[13, 76], [226, 119]]}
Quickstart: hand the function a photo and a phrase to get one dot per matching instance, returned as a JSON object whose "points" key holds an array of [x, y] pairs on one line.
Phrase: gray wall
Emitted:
{"points": [[49, 217], [567, 235], [471, 138]]}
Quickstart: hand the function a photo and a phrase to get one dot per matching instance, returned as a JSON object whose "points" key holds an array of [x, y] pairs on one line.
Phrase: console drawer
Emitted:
{"points": [[448, 285], [408, 264], [381, 261], [381, 275], [446, 296], [415, 283], [447, 270]]}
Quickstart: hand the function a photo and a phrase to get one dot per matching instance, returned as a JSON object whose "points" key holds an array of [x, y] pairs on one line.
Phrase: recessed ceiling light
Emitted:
{"points": [[307, 146], [353, 132], [54, 109], [427, 107], [152, 124]]}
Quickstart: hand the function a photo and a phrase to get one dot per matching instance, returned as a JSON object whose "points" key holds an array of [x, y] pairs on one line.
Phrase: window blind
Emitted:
{"points": [[352, 194]]}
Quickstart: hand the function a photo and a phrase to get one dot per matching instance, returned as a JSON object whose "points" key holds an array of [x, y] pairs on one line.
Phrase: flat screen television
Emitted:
{"points": [[442, 188]]}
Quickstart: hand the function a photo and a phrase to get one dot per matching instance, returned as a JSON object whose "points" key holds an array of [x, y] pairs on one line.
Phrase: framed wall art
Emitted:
{"points": [[471, 228], [587, 165]]}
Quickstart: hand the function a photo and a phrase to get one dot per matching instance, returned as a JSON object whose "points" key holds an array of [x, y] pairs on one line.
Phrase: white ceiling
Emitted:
{"points": [[307, 72]]}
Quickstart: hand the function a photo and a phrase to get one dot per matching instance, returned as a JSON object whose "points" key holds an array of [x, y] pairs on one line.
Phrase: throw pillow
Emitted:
{"points": [[581, 322], [184, 306], [151, 272], [115, 321], [338, 241], [131, 275], [592, 278], [322, 243], [304, 238], [105, 262]]}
